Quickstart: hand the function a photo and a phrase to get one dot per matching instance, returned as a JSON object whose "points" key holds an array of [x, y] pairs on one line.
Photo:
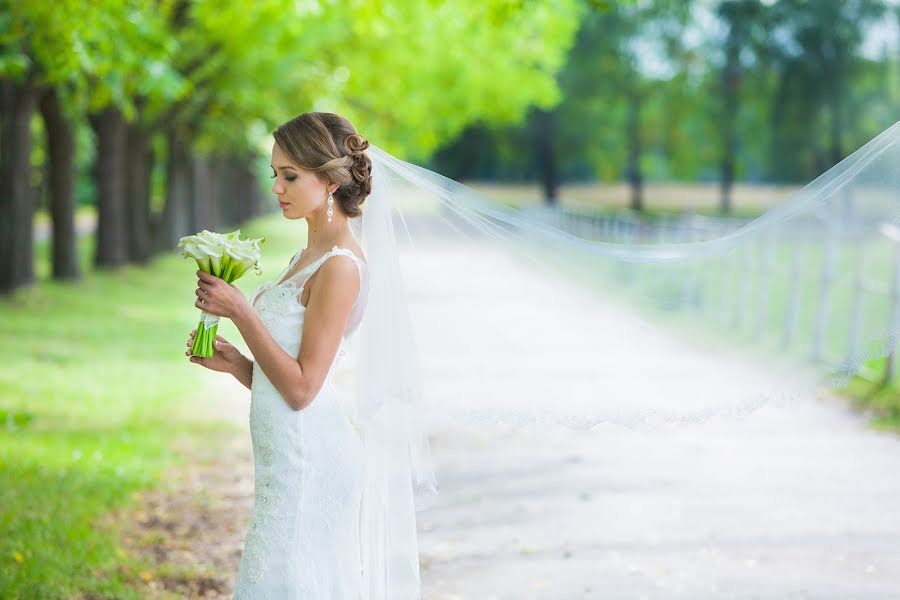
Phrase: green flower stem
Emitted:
{"points": [[227, 271], [204, 339], [210, 339], [198, 340]]}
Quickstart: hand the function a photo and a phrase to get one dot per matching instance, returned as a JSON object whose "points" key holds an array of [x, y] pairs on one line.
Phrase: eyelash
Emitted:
{"points": [[287, 178]]}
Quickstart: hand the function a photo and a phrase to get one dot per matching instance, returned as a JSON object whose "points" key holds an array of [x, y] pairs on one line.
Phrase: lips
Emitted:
{"points": [[282, 204]]}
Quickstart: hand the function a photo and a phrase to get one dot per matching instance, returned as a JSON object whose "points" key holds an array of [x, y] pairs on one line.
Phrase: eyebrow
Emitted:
{"points": [[285, 167]]}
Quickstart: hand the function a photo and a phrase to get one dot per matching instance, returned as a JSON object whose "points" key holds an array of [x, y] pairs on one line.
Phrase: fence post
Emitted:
{"points": [[892, 232], [859, 291], [691, 289], [743, 290], [818, 352], [793, 308], [765, 271]]}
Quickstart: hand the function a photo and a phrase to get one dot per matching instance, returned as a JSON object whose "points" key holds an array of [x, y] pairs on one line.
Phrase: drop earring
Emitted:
{"points": [[330, 205]]}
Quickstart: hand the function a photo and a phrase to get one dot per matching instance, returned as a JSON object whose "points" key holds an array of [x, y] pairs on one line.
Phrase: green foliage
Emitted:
{"points": [[799, 108], [491, 63], [97, 53], [410, 74]]}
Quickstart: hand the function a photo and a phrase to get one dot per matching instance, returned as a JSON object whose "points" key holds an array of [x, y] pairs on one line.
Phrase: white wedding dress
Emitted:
{"points": [[303, 541]]}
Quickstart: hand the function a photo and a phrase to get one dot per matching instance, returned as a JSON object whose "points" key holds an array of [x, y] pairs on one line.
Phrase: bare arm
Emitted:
{"points": [[328, 310], [243, 371], [280, 368]]}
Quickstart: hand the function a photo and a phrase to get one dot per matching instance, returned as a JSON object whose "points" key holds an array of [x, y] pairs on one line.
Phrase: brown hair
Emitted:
{"points": [[329, 145]]}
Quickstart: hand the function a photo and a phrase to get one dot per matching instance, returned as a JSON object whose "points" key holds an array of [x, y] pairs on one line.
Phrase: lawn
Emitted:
{"points": [[95, 395]]}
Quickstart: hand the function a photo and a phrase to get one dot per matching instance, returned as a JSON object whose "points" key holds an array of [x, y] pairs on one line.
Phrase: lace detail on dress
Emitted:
{"points": [[284, 297], [266, 495], [303, 539], [276, 301]]}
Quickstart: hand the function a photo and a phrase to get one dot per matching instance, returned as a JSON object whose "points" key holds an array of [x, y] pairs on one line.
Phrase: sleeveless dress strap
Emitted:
{"points": [[303, 275], [335, 250]]}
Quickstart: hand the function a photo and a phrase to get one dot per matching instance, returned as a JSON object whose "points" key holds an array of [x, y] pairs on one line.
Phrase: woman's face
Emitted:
{"points": [[300, 192]]}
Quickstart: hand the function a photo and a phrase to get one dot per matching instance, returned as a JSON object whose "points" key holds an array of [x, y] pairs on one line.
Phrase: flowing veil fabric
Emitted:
{"points": [[399, 473], [809, 290]]}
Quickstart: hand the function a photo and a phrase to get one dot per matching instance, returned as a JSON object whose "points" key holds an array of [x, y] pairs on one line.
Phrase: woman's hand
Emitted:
{"points": [[217, 297], [226, 358]]}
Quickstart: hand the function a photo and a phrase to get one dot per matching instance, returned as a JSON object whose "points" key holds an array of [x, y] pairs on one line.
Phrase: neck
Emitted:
{"points": [[322, 235]]}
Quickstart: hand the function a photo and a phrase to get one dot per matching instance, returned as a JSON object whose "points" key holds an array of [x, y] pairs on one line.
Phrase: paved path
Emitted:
{"points": [[790, 503]]}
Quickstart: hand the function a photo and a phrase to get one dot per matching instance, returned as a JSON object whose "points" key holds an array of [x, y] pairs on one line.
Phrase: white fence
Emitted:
{"points": [[807, 266]]}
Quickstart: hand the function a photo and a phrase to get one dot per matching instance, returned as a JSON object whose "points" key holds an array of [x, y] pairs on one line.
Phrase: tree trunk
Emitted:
{"points": [[819, 154], [202, 200], [837, 112], [234, 201], [242, 189], [730, 82], [109, 181], [19, 101], [137, 192], [248, 190], [61, 178], [176, 217], [633, 136], [259, 199], [227, 195], [547, 156], [217, 188]]}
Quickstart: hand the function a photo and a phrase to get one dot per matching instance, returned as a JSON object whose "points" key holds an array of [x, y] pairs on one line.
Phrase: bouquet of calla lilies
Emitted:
{"points": [[227, 257]]}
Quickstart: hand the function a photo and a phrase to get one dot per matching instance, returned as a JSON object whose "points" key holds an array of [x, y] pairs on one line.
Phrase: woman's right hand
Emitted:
{"points": [[226, 358]]}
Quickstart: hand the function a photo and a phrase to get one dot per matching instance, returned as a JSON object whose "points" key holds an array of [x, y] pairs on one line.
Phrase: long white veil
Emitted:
{"points": [[389, 410], [733, 317]]}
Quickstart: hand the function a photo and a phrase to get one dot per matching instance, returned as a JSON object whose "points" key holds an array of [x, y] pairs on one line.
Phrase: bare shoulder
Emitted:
{"points": [[339, 266], [340, 274], [339, 277]]}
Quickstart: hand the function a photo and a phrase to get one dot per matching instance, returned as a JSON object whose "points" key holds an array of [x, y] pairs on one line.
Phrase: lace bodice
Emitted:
{"points": [[278, 302], [284, 296]]}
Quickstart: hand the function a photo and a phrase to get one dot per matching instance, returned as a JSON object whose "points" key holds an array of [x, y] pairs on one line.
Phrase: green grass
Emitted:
{"points": [[95, 390], [880, 400]]}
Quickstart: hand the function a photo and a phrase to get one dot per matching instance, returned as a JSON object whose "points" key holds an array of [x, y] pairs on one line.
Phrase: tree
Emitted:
{"points": [[745, 41], [817, 47]]}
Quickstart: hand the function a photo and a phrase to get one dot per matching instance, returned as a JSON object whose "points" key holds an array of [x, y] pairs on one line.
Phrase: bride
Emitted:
{"points": [[334, 507]]}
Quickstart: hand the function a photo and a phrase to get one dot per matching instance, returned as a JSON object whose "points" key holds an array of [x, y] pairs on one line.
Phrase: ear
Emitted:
{"points": [[333, 187]]}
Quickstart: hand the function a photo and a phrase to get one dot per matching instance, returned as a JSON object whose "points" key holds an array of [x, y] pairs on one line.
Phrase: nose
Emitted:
{"points": [[277, 189]]}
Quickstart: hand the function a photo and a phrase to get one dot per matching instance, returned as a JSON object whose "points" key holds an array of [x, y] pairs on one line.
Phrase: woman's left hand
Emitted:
{"points": [[217, 297]]}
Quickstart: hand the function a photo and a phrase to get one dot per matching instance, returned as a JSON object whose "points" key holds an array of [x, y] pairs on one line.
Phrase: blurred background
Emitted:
{"points": [[125, 125]]}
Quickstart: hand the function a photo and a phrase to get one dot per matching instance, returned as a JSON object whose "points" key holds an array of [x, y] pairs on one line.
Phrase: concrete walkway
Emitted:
{"points": [[798, 502]]}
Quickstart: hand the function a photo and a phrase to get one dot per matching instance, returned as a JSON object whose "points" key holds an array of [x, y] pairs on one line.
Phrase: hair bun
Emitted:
{"points": [[355, 144]]}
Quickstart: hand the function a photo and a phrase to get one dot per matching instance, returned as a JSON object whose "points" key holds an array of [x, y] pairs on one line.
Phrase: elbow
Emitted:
{"points": [[298, 401], [303, 396]]}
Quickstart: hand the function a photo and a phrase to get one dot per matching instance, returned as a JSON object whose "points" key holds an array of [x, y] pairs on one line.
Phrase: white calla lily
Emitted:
{"points": [[227, 257]]}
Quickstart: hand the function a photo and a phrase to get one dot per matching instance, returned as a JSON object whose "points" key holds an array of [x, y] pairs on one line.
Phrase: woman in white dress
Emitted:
{"points": [[304, 540]]}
